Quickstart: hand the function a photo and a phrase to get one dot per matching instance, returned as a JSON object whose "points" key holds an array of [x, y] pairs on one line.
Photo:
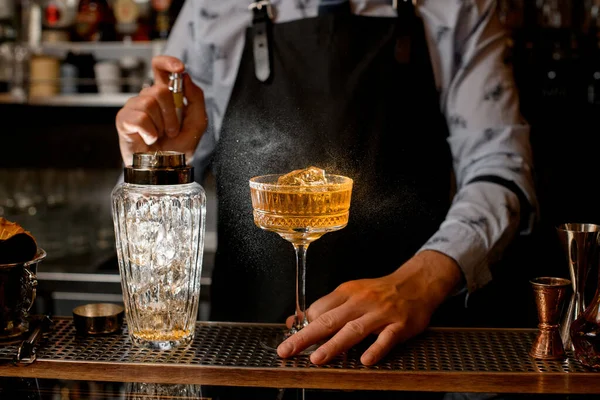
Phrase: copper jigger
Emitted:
{"points": [[580, 245], [549, 294]]}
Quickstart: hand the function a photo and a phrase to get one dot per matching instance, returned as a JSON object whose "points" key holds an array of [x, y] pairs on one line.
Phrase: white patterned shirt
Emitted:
{"points": [[488, 136]]}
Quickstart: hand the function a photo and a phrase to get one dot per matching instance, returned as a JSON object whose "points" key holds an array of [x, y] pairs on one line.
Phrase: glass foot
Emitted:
{"points": [[271, 343]]}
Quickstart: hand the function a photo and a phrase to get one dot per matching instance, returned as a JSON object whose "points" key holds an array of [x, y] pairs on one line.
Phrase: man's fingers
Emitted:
{"points": [[193, 93], [325, 304], [162, 66], [387, 339], [166, 107], [195, 112], [321, 306], [146, 103], [195, 119], [321, 328], [351, 334], [139, 122]]}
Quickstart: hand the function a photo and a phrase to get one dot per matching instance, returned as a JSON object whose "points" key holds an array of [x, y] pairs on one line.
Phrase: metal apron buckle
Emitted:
{"points": [[258, 5], [261, 26]]}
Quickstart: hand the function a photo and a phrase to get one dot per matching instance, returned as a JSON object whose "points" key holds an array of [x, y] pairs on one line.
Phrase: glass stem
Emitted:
{"points": [[300, 320]]}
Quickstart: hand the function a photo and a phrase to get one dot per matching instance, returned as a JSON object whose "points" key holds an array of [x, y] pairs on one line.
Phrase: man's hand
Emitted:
{"points": [[149, 122], [395, 307]]}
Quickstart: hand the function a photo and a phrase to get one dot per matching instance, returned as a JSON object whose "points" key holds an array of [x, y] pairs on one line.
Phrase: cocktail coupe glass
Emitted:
{"points": [[300, 212]]}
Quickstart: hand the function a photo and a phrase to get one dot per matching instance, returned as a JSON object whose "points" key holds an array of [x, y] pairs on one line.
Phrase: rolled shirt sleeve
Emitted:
{"points": [[489, 140]]}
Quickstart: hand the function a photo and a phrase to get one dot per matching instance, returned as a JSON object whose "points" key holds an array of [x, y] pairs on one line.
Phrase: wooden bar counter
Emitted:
{"points": [[471, 360]]}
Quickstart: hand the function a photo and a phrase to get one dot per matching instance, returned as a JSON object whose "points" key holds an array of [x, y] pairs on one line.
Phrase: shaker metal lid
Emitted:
{"points": [[159, 168]]}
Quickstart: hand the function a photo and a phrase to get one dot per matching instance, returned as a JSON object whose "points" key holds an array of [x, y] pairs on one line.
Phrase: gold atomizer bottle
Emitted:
{"points": [[176, 87]]}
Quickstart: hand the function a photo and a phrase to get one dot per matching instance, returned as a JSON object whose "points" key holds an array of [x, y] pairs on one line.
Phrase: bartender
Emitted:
{"points": [[416, 103]]}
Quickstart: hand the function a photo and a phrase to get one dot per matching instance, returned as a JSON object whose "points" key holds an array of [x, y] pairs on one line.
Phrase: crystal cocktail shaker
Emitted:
{"points": [[159, 216]]}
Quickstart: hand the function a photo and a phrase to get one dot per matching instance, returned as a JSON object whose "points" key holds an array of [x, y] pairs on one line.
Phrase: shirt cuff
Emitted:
{"points": [[465, 247]]}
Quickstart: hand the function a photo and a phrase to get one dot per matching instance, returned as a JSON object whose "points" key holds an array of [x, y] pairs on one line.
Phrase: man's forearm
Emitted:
{"points": [[438, 273]]}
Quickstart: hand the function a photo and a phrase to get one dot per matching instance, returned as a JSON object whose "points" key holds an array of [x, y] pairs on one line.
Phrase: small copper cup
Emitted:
{"points": [[98, 318], [549, 293]]}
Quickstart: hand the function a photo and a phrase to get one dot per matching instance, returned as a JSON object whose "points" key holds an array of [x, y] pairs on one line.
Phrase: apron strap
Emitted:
{"points": [[261, 37], [405, 29]]}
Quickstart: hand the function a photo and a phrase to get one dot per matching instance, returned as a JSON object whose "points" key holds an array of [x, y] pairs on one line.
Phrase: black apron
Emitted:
{"points": [[355, 96]]}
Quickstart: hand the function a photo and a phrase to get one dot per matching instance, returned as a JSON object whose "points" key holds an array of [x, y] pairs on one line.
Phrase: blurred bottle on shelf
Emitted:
{"points": [[511, 14], [108, 76], [58, 18], [144, 24], [161, 20], [132, 74], [127, 16], [86, 76], [591, 16], [8, 38], [554, 13], [557, 53], [94, 22], [44, 76], [591, 26], [8, 29], [164, 14], [30, 23], [68, 78], [20, 76]]}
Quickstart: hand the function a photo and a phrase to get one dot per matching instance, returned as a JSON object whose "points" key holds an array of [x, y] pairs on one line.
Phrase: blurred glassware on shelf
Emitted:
{"points": [[108, 76], [132, 74], [8, 38], [591, 15], [68, 78], [6, 65], [20, 77], [27, 197], [554, 13], [68, 210], [77, 196], [44, 76]]}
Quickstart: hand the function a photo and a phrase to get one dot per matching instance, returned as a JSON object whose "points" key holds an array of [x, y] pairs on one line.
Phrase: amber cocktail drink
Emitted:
{"points": [[300, 206]]}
